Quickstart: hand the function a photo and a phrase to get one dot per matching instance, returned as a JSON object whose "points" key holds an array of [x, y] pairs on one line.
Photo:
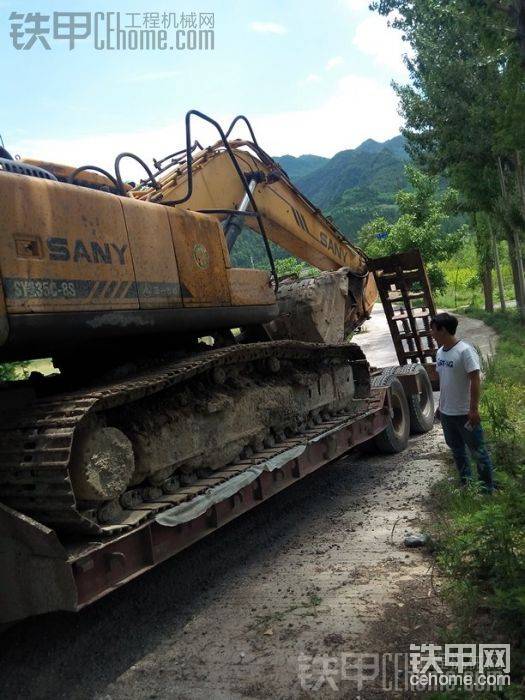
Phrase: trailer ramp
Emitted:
{"points": [[404, 290]]}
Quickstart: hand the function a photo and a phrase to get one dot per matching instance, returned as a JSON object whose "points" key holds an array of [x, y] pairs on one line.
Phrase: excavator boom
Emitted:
{"points": [[290, 219], [243, 174]]}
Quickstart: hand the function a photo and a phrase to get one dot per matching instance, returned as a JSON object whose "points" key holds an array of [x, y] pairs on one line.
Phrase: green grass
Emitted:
{"points": [[509, 361], [12, 371], [463, 284], [479, 541]]}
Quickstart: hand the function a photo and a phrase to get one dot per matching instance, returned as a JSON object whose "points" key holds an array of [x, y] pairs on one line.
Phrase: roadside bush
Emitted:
{"points": [[9, 372], [292, 267]]}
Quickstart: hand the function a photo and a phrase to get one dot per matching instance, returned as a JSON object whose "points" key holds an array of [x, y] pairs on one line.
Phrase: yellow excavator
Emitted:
{"points": [[173, 363]]}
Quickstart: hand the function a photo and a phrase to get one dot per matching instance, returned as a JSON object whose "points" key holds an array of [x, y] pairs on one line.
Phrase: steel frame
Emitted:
{"points": [[87, 572]]}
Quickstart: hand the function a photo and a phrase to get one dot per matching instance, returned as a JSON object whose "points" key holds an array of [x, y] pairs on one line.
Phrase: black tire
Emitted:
{"points": [[394, 437], [421, 406]]}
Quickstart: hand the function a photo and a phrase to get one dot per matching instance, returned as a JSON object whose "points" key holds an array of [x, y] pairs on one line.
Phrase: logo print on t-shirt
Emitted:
{"points": [[445, 363]]}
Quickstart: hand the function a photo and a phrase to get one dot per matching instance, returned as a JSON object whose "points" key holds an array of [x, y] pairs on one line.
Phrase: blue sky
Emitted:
{"points": [[314, 77]]}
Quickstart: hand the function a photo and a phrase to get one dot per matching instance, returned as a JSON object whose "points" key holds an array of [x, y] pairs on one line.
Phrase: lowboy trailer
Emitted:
{"points": [[44, 570]]}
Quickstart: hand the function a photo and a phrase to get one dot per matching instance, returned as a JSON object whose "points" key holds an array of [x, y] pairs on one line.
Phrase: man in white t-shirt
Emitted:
{"points": [[459, 381]]}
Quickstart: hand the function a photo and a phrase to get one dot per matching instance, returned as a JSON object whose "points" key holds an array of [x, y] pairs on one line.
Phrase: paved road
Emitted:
{"points": [[379, 348], [319, 570]]}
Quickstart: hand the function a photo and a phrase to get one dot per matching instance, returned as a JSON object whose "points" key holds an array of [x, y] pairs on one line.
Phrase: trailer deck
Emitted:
{"points": [[44, 572]]}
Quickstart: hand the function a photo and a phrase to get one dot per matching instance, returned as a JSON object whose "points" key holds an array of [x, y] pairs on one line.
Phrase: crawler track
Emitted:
{"points": [[36, 443]]}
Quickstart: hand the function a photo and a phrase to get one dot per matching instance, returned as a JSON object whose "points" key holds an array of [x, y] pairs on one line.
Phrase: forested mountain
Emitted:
{"points": [[302, 165], [355, 185]]}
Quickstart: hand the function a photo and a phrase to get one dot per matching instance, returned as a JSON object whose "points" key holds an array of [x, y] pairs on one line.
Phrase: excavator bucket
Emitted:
{"points": [[323, 309]]}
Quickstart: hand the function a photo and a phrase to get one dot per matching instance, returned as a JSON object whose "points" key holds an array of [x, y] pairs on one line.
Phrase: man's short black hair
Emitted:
{"points": [[446, 321]]}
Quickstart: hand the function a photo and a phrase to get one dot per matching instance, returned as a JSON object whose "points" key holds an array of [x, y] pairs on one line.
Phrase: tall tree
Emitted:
{"points": [[465, 102], [424, 211]]}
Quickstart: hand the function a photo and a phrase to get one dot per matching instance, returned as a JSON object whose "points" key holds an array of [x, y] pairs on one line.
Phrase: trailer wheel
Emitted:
{"points": [[394, 437], [421, 406]]}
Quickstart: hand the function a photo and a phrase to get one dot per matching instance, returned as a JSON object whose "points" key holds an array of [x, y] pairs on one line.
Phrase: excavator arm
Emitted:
{"points": [[209, 182], [291, 221]]}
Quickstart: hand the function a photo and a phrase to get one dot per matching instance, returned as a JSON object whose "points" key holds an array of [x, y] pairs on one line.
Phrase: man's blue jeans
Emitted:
{"points": [[458, 438]]}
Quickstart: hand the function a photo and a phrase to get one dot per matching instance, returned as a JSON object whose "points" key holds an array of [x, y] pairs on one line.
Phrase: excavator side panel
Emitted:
{"points": [[250, 287], [153, 254], [202, 259], [63, 248]]}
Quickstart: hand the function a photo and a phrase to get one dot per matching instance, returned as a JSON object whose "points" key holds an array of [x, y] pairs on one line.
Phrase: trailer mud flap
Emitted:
{"points": [[36, 575]]}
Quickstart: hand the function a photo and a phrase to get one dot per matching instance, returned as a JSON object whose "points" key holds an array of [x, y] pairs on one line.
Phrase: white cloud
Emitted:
{"points": [[333, 62], [383, 43], [311, 78], [357, 5], [359, 108], [268, 27], [147, 77]]}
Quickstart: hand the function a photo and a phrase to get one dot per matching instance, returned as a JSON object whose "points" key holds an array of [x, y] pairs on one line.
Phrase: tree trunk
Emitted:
{"points": [[521, 189], [519, 178], [519, 277], [521, 30], [484, 252], [514, 244], [486, 281], [497, 265], [520, 297]]}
